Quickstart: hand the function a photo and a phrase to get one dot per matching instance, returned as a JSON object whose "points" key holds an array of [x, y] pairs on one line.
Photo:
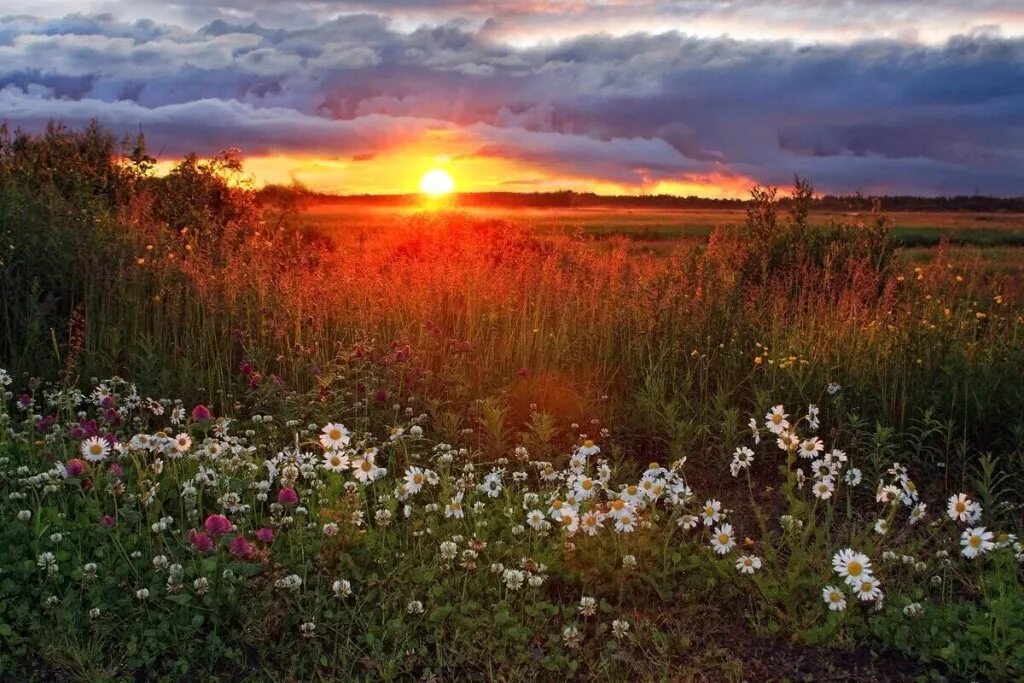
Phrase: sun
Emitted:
{"points": [[437, 182]]}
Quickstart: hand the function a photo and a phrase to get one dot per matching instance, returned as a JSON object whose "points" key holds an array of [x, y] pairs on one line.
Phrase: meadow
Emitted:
{"points": [[310, 443]]}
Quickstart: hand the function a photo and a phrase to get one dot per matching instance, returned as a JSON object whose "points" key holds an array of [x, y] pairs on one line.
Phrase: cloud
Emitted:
{"points": [[637, 109]]}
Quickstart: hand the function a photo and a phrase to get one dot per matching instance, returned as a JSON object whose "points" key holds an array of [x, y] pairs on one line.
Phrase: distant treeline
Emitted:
{"points": [[275, 194]]}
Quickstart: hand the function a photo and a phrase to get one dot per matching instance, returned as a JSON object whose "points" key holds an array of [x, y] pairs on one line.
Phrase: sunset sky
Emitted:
{"points": [[700, 97]]}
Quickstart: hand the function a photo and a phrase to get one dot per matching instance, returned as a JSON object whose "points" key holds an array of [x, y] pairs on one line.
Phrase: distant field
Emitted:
{"points": [[912, 229]]}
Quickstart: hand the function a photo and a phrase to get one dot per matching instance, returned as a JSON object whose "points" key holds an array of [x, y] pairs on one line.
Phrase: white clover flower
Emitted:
{"points": [[142, 594], [48, 561], [94, 613], [307, 629], [620, 627], [588, 606], [629, 561], [448, 550], [572, 637], [513, 579], [330, 529], [914, 609], [414, 607], [342, 588]]}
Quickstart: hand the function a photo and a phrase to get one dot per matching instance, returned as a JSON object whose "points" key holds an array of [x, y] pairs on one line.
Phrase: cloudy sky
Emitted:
{"points": [[689, 96]]}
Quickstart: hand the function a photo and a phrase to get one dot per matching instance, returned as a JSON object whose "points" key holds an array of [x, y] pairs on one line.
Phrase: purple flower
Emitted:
{"points": [[201, 413], [265, 535], [287, 496], [217, 525]]}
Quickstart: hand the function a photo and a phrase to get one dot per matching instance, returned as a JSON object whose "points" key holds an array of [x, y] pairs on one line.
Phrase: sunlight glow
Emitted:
{"points": [[437, 182]]}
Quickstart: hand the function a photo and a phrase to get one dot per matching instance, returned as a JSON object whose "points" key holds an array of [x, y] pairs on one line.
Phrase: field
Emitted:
{"points": [[319, 443]]}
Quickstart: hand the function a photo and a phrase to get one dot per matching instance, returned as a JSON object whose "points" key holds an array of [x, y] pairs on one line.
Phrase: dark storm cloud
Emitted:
{"points": [[872, 115]]}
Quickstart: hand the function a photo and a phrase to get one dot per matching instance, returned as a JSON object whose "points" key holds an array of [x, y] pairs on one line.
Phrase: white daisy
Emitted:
{"points": [[334, 436], [976, 541], [722, 540], [834, 598]]}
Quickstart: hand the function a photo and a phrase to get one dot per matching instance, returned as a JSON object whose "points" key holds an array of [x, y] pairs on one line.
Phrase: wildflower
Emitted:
{"points": [[201, 413], [292, 582], [620, 627], [48, 562], [592, 522], [307, 629], [741, 459], [868, 589], [809, 448], [74, 467], [330, 529], [629, 561], [852, 566], [834, 598], [240, 548], [414, 479], [812, 418], [342, 588], [882, 527], [142, 593], [160, 563], [712, 512], [853, 476], [335, 461], [625, 524], [513, 579], [748, 564], [914, 609], [919, 512], [200, 541], [217, 525], [775, 420], [962, 509], [588, 606], [448, 551], [334, 436], [722, 541], [571, 637], [94, 613], [365, 468], [24, 515], [976, 541], [265, 535], [414, 607], [755, 432], [182, 443], [95, 449], [535, 519], [823, 488]]}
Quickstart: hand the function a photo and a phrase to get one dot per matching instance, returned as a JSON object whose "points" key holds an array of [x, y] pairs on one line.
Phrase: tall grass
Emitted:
{"points": [[178, 281]]}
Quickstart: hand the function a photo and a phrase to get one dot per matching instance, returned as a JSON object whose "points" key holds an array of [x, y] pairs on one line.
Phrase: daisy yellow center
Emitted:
{"points": [[588, 444], [776, 419], [366, 466], [590, 521], [975, 541], [417, 478], [96, 449], [566, 520], [723, 538], [557, 505], [854, 568], [834, 596], [632, 490], [587, 485], [911, 486], [335, 434], [618, 504], [747, 562], [335, 460], [960, 506], [708, 510], [867, 587], [626, 520]]}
